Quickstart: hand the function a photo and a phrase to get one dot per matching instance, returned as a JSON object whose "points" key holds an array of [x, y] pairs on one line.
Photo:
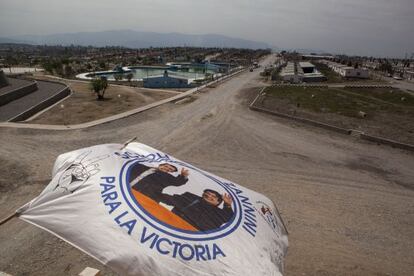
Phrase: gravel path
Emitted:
{"points": [[348, 204]]}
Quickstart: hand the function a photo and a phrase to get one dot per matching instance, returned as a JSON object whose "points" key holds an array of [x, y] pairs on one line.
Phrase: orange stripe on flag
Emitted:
{"points": [[162, 213]]}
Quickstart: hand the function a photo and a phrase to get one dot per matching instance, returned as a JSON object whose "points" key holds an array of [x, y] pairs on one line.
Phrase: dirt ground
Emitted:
{"points": [[386, 115], [82, 105], [348, 204]]}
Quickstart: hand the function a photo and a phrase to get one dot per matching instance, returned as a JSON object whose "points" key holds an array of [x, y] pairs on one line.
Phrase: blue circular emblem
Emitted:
{"points": [[198, 235]]}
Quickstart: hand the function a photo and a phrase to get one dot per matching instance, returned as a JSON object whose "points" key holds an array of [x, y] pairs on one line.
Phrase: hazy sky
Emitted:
{"points": [[369, 27]]}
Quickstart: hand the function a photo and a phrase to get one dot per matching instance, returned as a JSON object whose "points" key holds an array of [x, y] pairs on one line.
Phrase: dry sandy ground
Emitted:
{"points": [[82, 105], [348, 205]]}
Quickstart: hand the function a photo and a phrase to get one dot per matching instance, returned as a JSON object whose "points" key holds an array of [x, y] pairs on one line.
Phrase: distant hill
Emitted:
{"points": [[309, 51], [135, 39], [6, 40]]}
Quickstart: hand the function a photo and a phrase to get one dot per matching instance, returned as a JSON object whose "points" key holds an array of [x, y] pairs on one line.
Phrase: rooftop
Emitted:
{"points": [[306, 64]]}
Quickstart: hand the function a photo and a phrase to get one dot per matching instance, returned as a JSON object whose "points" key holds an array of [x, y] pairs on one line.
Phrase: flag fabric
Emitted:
{"points": [[140, 211]]}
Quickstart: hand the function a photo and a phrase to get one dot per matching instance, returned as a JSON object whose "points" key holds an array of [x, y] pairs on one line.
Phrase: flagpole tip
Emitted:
{"points": [[129, 141]]}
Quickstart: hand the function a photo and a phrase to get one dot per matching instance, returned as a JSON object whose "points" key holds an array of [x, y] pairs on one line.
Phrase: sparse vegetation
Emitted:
{"points": [[347, 102], [331, 76], [386, 112], [83, 107]]}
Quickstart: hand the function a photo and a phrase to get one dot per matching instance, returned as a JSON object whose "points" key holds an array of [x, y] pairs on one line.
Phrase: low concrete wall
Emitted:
{"points": [[355, 133], [51, 81], [386, 142], [133, 83], [303, 120], [3, 79], [300, 85], [17, 93], [367, 86], [42, 105]]}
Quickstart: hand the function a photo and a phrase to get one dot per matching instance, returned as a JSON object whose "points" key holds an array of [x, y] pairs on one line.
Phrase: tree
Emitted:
{"points": [[102, 65], [68, 71], [10, 61], [99, 85], [129, 77], [386, 67], [118, 77], [146, 61]]}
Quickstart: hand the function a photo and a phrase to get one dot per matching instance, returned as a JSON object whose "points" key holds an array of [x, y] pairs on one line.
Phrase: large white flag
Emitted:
{"points": [[143, 212]]}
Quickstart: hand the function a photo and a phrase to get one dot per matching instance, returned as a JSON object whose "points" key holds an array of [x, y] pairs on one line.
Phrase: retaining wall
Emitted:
{"points": [[367, 86], [42, 105], [299, 85], [17, 93], [386, 142], [327, 85], [3, 79], [304, 120]]}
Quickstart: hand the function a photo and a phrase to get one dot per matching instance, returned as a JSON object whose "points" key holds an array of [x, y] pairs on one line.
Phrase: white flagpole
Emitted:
{"points": [[129, 141], [9, 217]]}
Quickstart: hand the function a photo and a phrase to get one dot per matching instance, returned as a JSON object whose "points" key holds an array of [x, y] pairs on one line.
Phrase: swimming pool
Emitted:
{"points": [[141, 72]]}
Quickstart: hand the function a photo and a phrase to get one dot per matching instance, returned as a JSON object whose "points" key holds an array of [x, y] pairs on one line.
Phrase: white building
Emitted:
{"points": [[307, 67], [291, 74], [347, 71], [351, 72], [409, 75], [310, 74]]}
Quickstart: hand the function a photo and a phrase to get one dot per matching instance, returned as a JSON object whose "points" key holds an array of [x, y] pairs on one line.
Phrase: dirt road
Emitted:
{"points": [[348, 205]]}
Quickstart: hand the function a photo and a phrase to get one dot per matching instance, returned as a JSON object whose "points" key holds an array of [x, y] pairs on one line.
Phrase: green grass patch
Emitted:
{"points": [[347, 102], [328, 73], [389, 95]]}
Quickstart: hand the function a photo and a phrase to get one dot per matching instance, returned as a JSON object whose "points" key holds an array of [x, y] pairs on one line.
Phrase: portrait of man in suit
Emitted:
{"points": [[202, 212], [150, 181]]}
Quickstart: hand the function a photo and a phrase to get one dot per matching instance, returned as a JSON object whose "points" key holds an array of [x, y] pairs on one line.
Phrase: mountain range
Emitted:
{"points": [[136, 39]]}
